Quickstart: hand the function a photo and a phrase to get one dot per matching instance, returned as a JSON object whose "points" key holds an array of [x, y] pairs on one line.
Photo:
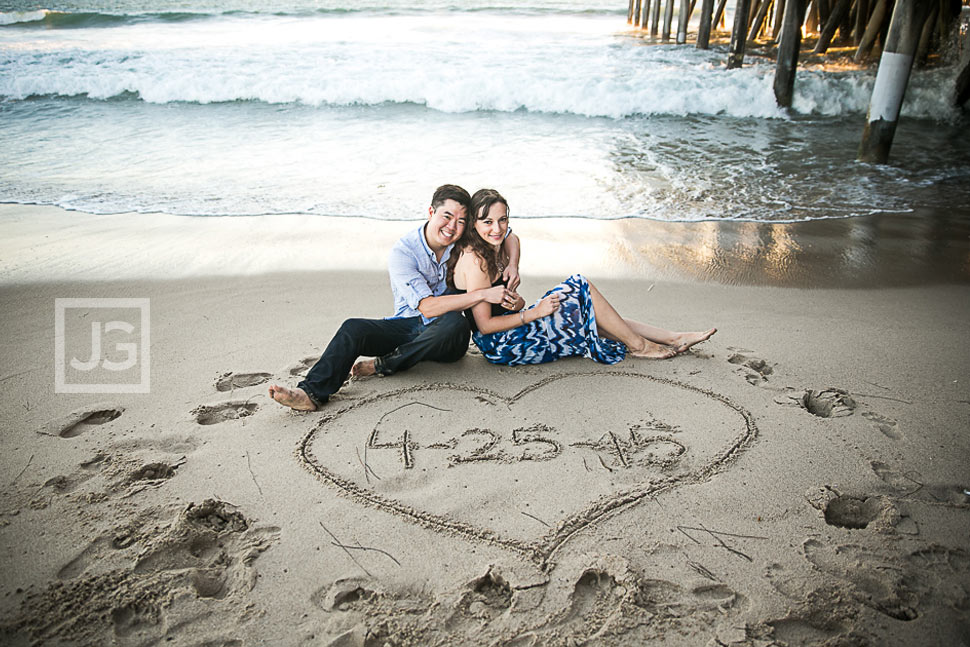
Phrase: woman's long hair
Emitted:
{"points": [[470, 241]]}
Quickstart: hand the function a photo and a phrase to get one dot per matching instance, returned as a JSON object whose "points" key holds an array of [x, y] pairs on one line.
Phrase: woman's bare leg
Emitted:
{"points": [[679, 340], [612, 326]]}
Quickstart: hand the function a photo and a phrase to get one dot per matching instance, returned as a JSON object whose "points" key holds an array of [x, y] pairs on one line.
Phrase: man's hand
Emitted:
{"points": [[511, 301], [511, 277], [496, 294]]}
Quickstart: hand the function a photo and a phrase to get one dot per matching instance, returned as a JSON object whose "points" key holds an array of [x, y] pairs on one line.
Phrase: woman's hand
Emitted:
{"points": [[547, 305]]}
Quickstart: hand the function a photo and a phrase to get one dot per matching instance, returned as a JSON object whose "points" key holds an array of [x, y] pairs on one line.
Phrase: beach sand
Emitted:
{"points": [[799, 479]]}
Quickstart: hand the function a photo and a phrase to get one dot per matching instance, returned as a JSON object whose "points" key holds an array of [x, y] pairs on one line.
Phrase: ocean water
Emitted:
{"points": [[361, 108]]}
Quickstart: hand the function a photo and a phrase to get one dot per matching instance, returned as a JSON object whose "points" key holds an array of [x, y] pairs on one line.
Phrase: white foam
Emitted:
{"points": [[14, 17], [452, 63]]}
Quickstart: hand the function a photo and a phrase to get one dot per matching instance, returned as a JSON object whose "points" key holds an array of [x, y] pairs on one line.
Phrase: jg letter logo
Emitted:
{"points": [[101, 346]]}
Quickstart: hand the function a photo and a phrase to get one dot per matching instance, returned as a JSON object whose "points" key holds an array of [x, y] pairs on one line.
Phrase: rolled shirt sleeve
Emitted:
{"points": [[407, 281]]}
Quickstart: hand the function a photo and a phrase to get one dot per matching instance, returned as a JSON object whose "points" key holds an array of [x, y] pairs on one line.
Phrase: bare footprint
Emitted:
{"points": [[828, 403], [755, 370], [231, 381], [207, 414], [82, 420], [887, 426], [300, 368]]}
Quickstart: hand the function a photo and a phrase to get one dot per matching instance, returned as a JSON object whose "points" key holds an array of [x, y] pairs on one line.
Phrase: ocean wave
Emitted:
{"points": [[670, 92], [50, 19]]}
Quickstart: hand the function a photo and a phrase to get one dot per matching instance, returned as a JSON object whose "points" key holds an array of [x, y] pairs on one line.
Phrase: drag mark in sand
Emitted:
{"points": [[455, 434]]}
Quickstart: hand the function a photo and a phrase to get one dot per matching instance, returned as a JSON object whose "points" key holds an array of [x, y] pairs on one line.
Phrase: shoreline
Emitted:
{"points": [[42, 244]]}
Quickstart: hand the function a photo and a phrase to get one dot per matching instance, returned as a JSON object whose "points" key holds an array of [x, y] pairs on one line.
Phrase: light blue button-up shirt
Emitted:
{"points": [[416, 274]]}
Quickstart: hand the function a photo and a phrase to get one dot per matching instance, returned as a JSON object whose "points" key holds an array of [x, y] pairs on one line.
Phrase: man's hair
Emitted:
{"points": [[451, 192]]}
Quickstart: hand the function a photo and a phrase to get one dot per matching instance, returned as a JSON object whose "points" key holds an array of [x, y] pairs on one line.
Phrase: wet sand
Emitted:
{"points": [[42, 244]]}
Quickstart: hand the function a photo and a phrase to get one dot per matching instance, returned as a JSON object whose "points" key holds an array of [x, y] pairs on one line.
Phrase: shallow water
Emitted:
{"points": [[362, 108]]}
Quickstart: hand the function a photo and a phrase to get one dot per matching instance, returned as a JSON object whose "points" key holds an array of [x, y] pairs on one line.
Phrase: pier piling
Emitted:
{"points": [[892, 77], [668, 19], [836, 17], [873, 27], [719, 13], [788, 46], [759, 20], [645, 14], [655, 19], [682, 21], [738, 34], [704, 28]]}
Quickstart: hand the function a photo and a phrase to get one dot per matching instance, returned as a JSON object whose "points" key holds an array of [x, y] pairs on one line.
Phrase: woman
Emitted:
{"points": [[572, 318]]}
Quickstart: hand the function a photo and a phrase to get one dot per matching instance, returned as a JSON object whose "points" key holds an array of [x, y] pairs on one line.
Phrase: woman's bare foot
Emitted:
{"points": [[651, 350], [364, 368], [683, 341], [293, 398]]}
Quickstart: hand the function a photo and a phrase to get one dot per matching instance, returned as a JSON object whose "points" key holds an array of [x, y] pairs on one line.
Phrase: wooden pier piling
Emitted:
{"points": [[834, 22], [668, 19], [788, 46], [738, 34], [895, 65], [645, 14], [704, 28], [655, 19], [682, 21]]}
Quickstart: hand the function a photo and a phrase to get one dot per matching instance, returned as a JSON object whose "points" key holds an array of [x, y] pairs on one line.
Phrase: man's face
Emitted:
{"points": [[445, 224]]}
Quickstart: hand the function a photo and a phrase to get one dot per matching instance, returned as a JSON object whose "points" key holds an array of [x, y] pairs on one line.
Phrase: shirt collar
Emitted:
{"points": [[429, 251]]}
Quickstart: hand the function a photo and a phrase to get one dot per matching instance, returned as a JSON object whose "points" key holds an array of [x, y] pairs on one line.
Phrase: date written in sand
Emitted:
{"points": [[534, 443]]}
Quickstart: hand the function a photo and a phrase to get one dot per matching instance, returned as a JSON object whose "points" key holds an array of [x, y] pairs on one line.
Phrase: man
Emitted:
{"points": [[427, 323]]}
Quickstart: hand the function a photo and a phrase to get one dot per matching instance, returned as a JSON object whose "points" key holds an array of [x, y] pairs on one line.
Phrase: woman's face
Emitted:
{"points": [[492, 226]]}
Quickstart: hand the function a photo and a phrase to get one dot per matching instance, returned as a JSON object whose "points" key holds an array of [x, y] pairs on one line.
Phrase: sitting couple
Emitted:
{"points": [[433, 287]]}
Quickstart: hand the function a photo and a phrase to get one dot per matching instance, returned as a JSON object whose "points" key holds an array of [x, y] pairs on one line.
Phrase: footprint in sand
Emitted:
{"points": [[913, 483], [484, 599], [300, 368], [212, 414], [853, 512], [887, 426], [755, 370], [828, 403], [231, 381], [153, 472], [878, 581], [82, 420]]}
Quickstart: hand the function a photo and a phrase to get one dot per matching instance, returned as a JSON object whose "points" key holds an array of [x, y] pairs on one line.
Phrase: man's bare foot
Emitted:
{"points": [[363, 368], [683, 341], [293, 398], [651, 350]]}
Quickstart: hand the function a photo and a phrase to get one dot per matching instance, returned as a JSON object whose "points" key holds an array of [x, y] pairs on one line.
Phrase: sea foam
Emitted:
{"points": [[465, 63]]}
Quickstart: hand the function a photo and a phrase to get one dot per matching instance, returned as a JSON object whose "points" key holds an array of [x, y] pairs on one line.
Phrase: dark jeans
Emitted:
{"points": [[398, 344]]}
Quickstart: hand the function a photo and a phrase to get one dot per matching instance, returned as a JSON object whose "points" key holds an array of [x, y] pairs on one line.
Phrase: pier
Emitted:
{"points": [[899, 34]]}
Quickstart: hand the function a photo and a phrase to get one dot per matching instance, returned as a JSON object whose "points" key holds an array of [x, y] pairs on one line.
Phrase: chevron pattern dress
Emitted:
{"points": [[568, 332]]}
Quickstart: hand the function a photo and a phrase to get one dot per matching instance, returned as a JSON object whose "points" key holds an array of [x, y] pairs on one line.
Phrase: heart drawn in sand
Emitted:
{"points": [[530, 470]]}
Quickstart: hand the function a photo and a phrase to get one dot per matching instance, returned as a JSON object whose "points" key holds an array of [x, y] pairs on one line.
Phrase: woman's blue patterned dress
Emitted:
{"points": [[568, 332]]}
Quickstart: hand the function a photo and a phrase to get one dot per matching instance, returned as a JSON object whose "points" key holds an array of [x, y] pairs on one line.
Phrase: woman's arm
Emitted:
{"points": [[475, 278]]}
